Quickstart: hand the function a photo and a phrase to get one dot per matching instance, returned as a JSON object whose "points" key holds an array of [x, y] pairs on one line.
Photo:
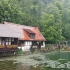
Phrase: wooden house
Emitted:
{"points": [[30, 37], [8, 39]]}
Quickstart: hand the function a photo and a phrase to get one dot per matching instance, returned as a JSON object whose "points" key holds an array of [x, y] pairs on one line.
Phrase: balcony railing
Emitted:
{"points": [[9, 47]]}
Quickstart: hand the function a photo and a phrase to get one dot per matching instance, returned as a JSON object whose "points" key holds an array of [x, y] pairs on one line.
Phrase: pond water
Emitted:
{"points": [[43, 61]]}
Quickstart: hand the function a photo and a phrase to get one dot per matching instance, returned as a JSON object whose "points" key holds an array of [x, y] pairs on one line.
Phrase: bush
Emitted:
{"points": [[47, 45], [64, 48]]}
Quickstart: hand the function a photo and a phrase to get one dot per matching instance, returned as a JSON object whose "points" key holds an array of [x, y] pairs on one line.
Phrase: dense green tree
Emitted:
{"points": [[51, 16], [33, 8], [11, 11], [51, 9], [66, 31], [51, 30], [65, 16]]}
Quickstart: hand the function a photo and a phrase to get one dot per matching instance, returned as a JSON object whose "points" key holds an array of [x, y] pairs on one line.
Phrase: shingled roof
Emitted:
{"points": [[29, 31], [7, 31], [23, 30]]}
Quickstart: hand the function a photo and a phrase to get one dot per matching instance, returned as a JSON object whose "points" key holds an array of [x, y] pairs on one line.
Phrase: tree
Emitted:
{"points": [[11, 11], [51, 9], [51, 30], [33, 8], [66, 31]]}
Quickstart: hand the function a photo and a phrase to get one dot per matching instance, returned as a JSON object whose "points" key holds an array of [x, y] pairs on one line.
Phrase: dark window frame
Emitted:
{"points": [[32, 36]]}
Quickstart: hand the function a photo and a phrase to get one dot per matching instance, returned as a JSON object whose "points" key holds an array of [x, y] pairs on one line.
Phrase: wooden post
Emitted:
{"points": [[66, 43]]}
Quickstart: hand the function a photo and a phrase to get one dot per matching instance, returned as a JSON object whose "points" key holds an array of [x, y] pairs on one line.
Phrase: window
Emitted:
{"points": [[32, 36], [30, 33], [9, 41]]}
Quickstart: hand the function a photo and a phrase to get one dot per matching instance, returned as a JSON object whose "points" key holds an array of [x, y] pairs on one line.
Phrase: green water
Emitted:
{"points": [[59, 55], [58, 61], [53, 61]]}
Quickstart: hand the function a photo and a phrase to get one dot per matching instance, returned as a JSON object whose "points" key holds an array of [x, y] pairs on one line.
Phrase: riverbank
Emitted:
{"points": [[28, 60], [50, 60]]}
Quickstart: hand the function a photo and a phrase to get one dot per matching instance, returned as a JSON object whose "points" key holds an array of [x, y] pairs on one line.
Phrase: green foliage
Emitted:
{"points": [[51, 9], [20, 52], [51, 16], [66, 31], [64, 48], [50, 28], [10, 11], [47, 45]]}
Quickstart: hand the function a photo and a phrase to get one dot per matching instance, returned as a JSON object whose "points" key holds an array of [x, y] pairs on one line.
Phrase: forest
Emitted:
{"points": [[51, 16]]}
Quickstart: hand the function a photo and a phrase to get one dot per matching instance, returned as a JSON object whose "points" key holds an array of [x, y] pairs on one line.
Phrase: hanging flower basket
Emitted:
{"points": [[1, 46], [14, 46], [9, 46]]}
